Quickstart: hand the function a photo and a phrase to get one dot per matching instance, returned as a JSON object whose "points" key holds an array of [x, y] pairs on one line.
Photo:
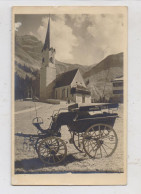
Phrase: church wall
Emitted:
{"points": [[64, 93], [47, 76], [42, 83], [50, 91], [50, 75]]}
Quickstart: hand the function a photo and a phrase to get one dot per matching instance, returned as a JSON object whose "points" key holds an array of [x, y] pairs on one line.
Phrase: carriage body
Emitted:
{"points": [[82, 124], [80, 117], [91, 129]]}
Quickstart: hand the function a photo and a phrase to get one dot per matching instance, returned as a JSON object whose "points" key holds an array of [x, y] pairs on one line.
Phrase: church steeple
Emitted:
{"points": [[47, 39], [48, 68]]}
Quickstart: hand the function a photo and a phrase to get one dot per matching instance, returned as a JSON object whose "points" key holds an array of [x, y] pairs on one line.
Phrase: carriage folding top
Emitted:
{"points": [[91, 129], [92, 106]]}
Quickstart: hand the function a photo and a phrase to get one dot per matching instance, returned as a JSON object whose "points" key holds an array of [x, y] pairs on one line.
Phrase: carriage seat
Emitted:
{"points": [[87, 115]]}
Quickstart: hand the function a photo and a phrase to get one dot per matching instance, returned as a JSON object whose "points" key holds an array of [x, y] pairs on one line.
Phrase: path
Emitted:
{"points": [[27, 110]]}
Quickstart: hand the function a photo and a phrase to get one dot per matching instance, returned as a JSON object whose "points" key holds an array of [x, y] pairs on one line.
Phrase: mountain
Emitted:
{"points": [[28, 50], [63, 67], [99, 77], [28, 59], [111, 61]]}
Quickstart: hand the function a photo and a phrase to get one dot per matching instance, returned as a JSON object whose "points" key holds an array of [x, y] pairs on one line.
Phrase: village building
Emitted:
{"points": [[68, 86], [117, 95]]}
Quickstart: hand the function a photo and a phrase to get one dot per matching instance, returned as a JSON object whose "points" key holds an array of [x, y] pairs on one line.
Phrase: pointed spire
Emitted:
{"points": [[47, 40]]}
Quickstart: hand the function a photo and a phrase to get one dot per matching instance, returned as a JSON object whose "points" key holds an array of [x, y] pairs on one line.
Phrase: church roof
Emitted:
{"points": [[66, 78], [47, 39]]}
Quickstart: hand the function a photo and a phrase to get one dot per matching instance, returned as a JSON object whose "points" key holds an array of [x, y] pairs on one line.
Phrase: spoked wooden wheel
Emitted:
{"points": [[38, 141], [52, 150], [78, 141], [99, 141]]}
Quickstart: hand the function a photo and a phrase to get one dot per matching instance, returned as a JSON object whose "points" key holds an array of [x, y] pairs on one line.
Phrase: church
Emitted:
{"points": [[68, 86]]}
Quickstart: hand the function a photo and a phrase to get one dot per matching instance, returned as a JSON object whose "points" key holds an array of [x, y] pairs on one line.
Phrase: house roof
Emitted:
{"points": [[78, 90], [66, 78], [119, 78]]}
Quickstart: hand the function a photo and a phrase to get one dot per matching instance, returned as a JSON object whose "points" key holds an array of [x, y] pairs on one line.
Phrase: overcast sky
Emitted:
{"points": [[82, 39]]}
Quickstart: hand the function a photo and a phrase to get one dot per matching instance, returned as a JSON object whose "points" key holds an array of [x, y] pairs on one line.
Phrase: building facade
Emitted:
{"points": [[118, 91], [70, 86]]}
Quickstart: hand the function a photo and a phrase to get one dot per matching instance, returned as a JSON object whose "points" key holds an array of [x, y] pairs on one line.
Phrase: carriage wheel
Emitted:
{"points": [[38, 141], [52, 150], [100, 140], [78, 141]]}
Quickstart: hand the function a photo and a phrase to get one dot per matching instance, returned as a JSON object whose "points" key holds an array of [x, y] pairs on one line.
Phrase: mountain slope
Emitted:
{"points": [[99, 77], [111, 61], [63, 67]]}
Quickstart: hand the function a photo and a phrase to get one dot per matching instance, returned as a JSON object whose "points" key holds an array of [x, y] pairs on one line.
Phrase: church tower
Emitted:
{"points": [[48, 68]]}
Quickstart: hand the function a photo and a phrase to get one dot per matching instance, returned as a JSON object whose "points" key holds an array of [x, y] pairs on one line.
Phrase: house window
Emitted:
{"points": [[117, 91], [118, 84]]}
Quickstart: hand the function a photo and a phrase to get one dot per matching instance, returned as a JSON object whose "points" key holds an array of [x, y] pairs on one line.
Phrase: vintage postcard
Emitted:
{"points": [[69, 95]]}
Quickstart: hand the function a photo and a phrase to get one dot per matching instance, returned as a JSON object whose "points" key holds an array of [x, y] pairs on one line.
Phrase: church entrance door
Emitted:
{"points": [[63, 94], [83, 99]]}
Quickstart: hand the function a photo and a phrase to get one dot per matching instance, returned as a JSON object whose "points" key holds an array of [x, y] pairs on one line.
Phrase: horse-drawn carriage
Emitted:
{"points": [[91, 129]]}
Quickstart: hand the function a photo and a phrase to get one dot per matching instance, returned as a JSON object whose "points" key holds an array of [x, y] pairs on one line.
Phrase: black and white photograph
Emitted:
{"points": [[69, 94]]}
